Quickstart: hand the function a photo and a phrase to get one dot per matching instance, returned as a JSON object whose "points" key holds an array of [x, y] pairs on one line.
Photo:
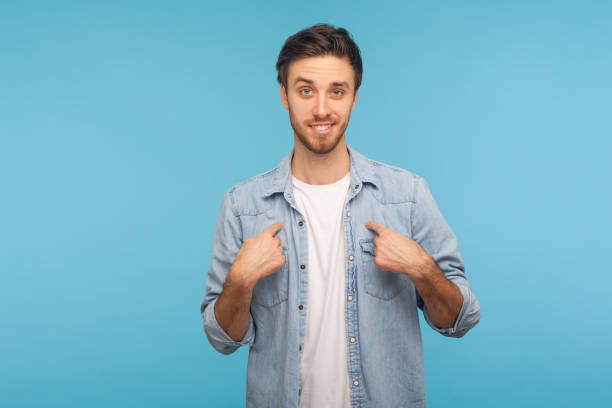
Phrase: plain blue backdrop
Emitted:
{"points": [[123, 123]]}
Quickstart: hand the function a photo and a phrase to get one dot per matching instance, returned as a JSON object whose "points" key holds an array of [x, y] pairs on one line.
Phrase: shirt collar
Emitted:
{"points": [[361, 172]]}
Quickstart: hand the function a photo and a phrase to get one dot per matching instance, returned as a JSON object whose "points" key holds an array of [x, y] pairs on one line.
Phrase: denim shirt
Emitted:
{"points": [[385, 363]]}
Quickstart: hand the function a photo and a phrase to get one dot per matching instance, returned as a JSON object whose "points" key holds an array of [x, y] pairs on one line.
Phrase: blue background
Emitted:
{"points": [[122, 124]]}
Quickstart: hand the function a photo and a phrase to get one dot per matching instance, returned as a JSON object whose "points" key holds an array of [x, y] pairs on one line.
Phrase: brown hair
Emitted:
{"points": [[319, 40]]}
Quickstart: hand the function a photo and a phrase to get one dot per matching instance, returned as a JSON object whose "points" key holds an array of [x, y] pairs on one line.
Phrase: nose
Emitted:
{"points": [[321, 109]]}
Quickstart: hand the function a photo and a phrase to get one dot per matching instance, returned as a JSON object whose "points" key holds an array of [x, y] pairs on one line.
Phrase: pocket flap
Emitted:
{"points": [[367, 246]]}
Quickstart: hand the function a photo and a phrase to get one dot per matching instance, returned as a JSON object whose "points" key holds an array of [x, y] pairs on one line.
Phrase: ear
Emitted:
{"points": [[354, 100], [284, 97]]}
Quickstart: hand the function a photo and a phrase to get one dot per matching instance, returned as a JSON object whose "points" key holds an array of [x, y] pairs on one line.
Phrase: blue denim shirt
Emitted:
{"points": [[385, 364]]}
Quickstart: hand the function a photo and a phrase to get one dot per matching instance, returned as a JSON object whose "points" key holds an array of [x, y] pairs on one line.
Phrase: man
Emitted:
{"points": [[320, 264]]}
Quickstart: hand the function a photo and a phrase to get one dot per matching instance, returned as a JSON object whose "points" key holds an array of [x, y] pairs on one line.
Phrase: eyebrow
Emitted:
{"points": [[310, 81]]}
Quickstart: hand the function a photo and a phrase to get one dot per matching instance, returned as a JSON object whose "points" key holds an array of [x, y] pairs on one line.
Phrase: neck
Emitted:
{"points": [[319, 169]]}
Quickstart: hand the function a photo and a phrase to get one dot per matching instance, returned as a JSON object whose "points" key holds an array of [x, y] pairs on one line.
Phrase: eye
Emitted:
{"points": [[338, 92], [305, 91]]}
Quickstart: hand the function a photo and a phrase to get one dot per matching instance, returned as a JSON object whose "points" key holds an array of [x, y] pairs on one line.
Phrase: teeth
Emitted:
{"points": [[321, 127]]}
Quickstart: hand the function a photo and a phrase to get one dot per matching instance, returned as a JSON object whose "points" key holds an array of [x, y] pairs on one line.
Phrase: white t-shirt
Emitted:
{"points": [[324, 367]]}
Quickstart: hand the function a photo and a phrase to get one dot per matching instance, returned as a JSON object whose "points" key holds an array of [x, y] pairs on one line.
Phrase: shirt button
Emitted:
{"points": [[300, 307], [356, 186], [348, 213], [350, 298], [351, 257], [355, 383], [302, 266], [301, 223], [300, 348], [352, 339]]}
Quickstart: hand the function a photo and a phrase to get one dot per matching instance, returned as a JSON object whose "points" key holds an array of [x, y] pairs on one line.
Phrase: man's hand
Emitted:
{"points": [[398, 253], [258, 257]]}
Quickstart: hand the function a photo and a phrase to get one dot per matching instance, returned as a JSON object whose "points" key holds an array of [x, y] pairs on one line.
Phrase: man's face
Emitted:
{"points": [[320, 96]]}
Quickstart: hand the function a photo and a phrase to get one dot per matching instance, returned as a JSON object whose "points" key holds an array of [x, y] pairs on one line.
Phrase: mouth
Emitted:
{"points": [[322, 128]]}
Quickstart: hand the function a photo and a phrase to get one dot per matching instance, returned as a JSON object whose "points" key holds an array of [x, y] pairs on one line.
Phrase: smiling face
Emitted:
{"points": [[320, 95]]}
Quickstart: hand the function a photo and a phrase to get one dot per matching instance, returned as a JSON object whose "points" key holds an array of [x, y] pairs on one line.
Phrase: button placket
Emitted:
{"points": [[352, 313], [302, 253]]}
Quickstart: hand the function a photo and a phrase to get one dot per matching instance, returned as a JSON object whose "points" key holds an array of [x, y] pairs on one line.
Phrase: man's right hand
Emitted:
{"points": [[257, 258]]}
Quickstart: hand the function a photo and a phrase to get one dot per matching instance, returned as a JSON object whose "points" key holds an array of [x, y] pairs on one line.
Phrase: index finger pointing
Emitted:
{"points": [[274, 228], [374, 226]]}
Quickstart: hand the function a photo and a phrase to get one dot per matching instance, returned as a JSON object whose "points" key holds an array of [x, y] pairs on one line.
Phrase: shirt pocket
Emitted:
{"points": [[378, 283], [273, 289]]}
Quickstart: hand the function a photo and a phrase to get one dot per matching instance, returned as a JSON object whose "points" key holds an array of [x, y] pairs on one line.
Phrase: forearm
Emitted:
{"points": [[232, 310], [442, 298]]}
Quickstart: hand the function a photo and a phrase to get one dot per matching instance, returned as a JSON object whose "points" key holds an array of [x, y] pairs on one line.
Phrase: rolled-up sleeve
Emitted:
{"points": [[226, 244], [432, 233], [219, 339]]}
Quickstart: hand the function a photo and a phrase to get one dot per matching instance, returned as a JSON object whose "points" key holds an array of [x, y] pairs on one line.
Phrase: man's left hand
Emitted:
{"points": [[397, 253]]}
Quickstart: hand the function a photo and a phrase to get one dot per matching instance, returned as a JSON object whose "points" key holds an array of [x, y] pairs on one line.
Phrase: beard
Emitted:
{"points": [[319, 144]]}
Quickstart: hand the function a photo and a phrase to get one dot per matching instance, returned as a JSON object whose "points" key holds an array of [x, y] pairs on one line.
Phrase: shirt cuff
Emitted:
{"points": [[457, 330], [219, 339]]}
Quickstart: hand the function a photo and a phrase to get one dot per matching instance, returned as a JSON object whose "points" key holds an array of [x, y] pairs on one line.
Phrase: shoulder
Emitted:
{"points": [[248, 196], [395, 184]]}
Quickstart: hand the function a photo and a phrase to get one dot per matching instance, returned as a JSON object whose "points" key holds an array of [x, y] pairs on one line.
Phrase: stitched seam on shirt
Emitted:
{"points": [[377, 163], [252, 215], [384, 203], [233, 206], [414, 187], [234, 209]]}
